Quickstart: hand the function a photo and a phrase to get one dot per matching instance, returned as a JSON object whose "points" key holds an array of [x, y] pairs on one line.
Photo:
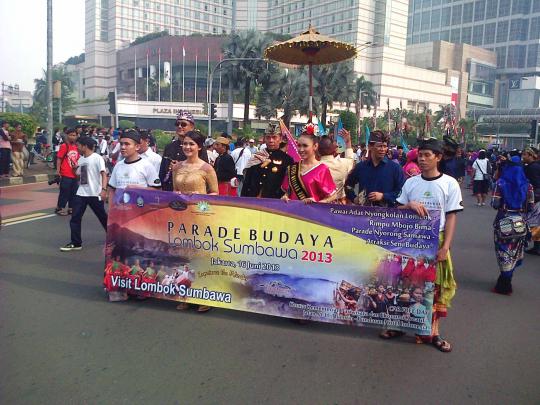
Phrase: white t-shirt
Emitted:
{"points": [[441, 193], [89, 170], [241, 161], [138, 173], [480, 164], [212, 156], [153, 157]]}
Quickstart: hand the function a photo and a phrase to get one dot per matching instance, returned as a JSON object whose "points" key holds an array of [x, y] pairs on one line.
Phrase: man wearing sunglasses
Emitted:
{"points": [[173, 152]]}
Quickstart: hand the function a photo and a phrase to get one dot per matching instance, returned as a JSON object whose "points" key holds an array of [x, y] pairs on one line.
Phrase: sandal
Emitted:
{"points": [[183, 306], [203, 308], [391, 334], [441, 344]]}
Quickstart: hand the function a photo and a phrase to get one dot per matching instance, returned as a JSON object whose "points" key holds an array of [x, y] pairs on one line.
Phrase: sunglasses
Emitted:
{"points": [[183, 124]]}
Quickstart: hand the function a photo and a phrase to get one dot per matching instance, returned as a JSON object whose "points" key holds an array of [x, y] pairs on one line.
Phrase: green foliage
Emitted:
{"points": [[163, 138], [149, 37], [126, 124], [39, 109], [350, 123], [245, 133], [75, 60], [28, 123]]}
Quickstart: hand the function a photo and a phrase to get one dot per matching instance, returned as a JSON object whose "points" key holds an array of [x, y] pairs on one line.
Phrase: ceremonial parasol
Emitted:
{"points": [[310, 48]]}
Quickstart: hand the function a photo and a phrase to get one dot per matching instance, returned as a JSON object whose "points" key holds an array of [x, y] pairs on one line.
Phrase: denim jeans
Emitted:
{"points": [[68, 189], [79, 207]]}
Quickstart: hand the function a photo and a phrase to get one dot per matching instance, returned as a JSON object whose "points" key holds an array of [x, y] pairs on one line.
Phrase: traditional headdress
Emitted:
{"points": [[184, 115]]}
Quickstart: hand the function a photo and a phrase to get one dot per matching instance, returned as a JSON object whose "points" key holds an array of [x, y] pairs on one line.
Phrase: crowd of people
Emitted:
{"points": [[93, 163]]}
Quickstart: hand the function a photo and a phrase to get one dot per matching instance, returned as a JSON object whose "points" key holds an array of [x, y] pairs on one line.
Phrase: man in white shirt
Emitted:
{"points": [[92, 191], [241, 156], [433, 190], [252, 147], [146, 151], [133, 170]]}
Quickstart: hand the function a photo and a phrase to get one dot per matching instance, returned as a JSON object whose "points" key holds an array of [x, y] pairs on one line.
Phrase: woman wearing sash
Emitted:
{"points": [[309, 180]]}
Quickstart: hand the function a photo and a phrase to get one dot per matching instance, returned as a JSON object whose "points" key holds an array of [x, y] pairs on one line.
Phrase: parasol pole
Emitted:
{"points": [[310, 91]]}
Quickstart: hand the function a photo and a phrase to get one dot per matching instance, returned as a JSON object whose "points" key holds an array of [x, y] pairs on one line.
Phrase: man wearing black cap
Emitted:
{"points": [[133, 170], [433, 190], [266, 169], [379, 179], [173, 152]]}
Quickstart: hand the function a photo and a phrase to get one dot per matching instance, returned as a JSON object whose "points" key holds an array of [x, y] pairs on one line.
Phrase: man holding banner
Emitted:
{"points": [[434, 191]]}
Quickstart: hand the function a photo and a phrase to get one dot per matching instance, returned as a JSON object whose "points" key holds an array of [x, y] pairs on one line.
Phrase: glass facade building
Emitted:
{"points": [[511, 28]]}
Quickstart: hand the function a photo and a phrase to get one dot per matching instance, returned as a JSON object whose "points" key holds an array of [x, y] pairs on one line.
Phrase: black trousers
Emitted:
{"points": [[79, 207], [68, 189], [5, 160]]}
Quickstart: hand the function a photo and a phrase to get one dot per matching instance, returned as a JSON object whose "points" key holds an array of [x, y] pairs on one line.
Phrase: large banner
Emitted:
{"points": [[332, 263]]}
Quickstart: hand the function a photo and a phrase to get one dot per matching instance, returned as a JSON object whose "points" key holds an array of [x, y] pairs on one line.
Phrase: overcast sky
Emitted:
{"points": [[23, 41]]}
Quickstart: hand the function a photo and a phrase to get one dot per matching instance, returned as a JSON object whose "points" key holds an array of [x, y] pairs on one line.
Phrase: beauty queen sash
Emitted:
{"points": [[296, 183]]}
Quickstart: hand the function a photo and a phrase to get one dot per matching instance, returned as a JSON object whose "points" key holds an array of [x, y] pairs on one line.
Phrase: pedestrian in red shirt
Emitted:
{"points": [[66, 163]]}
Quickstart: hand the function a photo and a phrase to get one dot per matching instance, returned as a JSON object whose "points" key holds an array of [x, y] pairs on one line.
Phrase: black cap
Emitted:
{"points": [[450, 144], [431, 144], [132, 134], [144, 134]]}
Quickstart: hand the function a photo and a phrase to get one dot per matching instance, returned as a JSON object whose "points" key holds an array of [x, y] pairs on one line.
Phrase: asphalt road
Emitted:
{"points": [[62, 342]]}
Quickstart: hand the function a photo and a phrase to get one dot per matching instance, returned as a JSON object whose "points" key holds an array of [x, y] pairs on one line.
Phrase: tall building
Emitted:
{"points": [[377, 27], [510, 28]]}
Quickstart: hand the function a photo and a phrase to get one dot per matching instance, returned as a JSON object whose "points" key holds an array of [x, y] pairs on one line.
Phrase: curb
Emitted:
{"points": [[34, 178]]}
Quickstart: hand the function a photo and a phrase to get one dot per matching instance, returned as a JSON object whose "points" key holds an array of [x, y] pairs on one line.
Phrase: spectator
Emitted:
{"points": [[66, 161], [92, 191], [5, 149]]}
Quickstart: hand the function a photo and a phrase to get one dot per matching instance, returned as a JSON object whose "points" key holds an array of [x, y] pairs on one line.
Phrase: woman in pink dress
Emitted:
{"points": [[411, 168], [309, 180]]}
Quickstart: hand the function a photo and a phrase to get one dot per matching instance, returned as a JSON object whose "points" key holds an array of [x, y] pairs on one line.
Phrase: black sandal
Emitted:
{"points": [[391, 334], [441, 344]]}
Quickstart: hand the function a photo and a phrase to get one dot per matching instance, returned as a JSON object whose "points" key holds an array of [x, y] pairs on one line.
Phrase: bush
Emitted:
{"points": [[28, 123], [163, 138], [126, 124]]}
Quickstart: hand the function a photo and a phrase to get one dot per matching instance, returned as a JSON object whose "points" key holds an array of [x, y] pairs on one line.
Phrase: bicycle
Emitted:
{"points": [[46, 156]]}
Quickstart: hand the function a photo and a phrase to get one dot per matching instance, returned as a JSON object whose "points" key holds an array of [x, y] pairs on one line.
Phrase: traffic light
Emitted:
{"points": [[213, 111], [534, 125], [112, 103]]}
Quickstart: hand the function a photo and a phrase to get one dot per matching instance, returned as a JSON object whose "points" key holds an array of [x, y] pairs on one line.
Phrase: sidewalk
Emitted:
{"points": [[34, 174]]}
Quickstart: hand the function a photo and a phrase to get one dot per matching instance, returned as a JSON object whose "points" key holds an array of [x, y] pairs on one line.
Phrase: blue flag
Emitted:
{"points": [[367, 135], [339, 139], [322, 131]]}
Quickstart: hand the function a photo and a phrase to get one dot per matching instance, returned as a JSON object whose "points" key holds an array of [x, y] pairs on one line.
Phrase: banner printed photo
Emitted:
{"points": [[363, 266]]}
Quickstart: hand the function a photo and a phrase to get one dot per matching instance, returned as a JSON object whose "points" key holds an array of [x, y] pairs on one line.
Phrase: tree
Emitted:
{"points": [[363, 95], [39, 111], [28, 123], [245, 44], [282, 89], [350, 123]]}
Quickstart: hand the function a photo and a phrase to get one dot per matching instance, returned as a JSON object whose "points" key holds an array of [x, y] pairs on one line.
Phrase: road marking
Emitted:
{"points": [[23, 184], [34, 215], [21, 220]]}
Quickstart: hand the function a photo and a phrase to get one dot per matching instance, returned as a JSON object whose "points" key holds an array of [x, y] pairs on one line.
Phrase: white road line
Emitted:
{"points": [[29, 220]]}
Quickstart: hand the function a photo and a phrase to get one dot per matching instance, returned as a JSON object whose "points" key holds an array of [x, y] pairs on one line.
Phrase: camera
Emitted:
{"points": [[55, 180]]}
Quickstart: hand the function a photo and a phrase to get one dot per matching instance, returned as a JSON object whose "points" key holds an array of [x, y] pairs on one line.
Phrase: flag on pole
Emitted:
{"points": [[219, 92], [159, 75], [322, 131], [292, 149], [135, 74], [196, 71], [339, 139], [368, 134], [183, 72], [147, 71], [208, 84]]}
